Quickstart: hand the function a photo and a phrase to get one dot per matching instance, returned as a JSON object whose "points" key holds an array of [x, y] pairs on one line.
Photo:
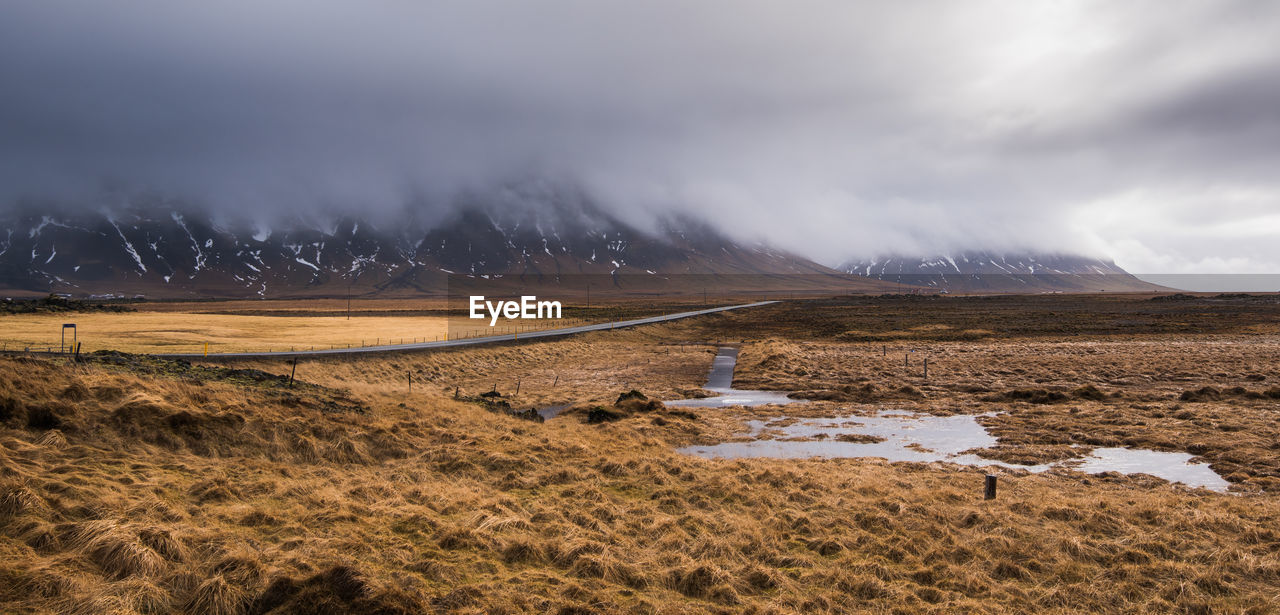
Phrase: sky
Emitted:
{"points": [[1143, 131]]}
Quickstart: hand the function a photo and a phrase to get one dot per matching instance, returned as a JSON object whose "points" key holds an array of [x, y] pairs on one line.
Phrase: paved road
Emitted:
{"points": [[527, 335]]}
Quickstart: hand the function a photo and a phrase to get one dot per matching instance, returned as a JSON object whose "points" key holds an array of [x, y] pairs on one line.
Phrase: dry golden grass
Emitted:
{"points": [[1052, 394], [280, 325], [593, 367], [253, 505], [129, 493], [163, 332]]}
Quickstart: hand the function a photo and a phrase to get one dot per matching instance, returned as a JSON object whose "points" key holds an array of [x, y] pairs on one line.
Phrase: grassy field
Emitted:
{"points": [[188, 332], [257, 326], [135, 486]]}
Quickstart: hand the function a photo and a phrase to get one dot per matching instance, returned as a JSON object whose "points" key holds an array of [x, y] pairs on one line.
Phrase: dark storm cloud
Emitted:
{"points": [[1145, 131]]}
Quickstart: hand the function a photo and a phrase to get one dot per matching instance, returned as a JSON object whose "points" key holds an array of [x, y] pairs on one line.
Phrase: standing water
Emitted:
{"points": [[1173, 467], [721, 381], [892, 435], [898, 436]]}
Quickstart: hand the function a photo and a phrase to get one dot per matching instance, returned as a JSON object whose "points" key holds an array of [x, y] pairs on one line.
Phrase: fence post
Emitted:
{"points": [[989, 491], [293, 371]]}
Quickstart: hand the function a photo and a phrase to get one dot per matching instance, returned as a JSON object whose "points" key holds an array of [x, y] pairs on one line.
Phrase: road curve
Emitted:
{"points": [[472, 341]]}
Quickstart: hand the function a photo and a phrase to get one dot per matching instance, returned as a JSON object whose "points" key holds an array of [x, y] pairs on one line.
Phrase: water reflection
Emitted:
{"points": [[1173, 467], [720, 380], [926, 438]]}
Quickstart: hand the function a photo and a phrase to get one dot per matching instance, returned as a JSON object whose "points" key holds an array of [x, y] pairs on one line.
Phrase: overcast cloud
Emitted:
{"points": [[1144, 131]]}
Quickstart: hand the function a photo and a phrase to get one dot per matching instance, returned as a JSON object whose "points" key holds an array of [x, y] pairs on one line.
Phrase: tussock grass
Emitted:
{"points": [[153, 499], [1056, 399], [216, 596], [18, 500], [117, 550]]}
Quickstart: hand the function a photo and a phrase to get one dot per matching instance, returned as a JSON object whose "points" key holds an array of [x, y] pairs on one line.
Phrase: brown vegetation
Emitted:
{"points": [[127, 487]]}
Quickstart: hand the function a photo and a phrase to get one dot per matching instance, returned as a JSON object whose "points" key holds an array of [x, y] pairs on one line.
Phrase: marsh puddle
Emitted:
{"points": [[1173, 467], [926, 438], [550, 412], [720, 381], [905, 437]]}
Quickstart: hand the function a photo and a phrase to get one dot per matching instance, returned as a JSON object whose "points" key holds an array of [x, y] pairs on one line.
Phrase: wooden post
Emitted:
{"points": [[989, 492], [455, 392], [75, 336], [926, 368], [906, 359], [553, 384], [410, 381], [293, 371], [517, 389], [885, 350]]}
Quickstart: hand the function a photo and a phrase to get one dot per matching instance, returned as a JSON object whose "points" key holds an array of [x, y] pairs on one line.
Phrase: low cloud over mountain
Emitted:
{"points": [[1143, 132], [532, 233]]}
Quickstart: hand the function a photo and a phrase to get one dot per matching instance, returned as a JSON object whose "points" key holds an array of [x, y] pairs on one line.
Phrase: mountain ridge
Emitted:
{"points": [[169, 249], [989, 271]]}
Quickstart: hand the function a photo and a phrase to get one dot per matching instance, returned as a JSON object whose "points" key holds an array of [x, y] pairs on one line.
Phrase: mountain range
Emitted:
{"points": [[164, 249], [983, 271]]}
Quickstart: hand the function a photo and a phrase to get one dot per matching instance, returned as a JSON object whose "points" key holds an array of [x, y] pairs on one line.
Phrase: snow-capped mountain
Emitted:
{"points": [[165, 249], [981, 271]]}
